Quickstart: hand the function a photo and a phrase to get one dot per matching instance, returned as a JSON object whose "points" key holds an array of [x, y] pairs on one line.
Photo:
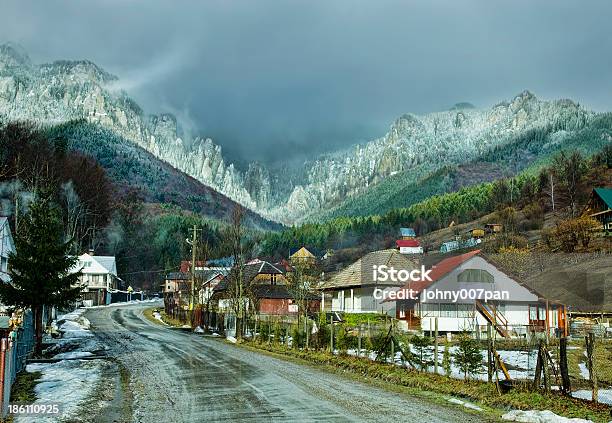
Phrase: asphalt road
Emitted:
{"points": [[177, 376]]}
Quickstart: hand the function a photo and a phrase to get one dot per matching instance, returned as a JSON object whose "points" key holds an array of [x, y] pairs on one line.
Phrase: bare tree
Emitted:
{"points": [[302, 281], [236, 290]]}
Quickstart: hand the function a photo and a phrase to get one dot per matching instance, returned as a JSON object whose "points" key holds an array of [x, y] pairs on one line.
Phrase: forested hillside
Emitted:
{"points": [[130, 166], [571, 174], [107, 205], [530, 149]]}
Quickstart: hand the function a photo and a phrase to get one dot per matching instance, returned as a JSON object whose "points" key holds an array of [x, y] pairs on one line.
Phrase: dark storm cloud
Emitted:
{"points": [[277, 78]]}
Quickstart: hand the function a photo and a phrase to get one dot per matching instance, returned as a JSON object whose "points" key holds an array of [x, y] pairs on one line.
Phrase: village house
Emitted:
{"points": [[494, 228], [174, 283], [351, 290], [407, 233], [303, 256], [176, 287], [476, 233], [599, 207], [98, 278], [519, 312], [268, 288], [7, 246], [408, 244], [207, 281]]}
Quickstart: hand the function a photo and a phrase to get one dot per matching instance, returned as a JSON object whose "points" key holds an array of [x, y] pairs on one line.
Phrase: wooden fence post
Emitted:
{"points": [[359, 342], [545, 368], [538, 371], [392, 344], [331, 338], [565, 380], [590, 347], [436, 347]]}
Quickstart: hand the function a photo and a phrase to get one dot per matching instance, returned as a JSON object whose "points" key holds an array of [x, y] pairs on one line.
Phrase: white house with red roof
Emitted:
{"points": [[468, 292], [409, 246]]}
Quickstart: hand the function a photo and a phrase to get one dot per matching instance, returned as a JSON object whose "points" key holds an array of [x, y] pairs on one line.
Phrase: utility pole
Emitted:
{"points": [[194, 246]]}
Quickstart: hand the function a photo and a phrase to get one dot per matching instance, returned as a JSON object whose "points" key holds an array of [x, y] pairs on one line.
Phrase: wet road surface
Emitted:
{"points": [[177, 376]]}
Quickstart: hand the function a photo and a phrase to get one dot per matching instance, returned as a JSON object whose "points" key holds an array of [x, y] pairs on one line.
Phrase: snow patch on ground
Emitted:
{"points": [[73, 355], [584, 371], [67, 383], [465, 404], [539, 416], [157, 315], [604, 395]]}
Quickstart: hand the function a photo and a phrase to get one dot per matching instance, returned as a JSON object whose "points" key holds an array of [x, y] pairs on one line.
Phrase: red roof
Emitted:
{"points": [[186, 265], [440, 270], [408, 243]]}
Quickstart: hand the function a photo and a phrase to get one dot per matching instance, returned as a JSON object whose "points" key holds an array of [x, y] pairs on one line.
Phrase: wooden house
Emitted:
{"points": [[407, 233], [494, 228], [599, 207], [302, 256], [476, 233], [268, 288]]}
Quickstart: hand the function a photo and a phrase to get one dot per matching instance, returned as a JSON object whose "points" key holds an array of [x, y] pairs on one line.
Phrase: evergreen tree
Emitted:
{"points": [[40, 267], [468, 356], [424, 355], [446, 360]]}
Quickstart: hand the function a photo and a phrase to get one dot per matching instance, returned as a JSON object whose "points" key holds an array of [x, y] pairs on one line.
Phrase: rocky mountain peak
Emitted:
{"points": [[414, 145], [12, 55]]}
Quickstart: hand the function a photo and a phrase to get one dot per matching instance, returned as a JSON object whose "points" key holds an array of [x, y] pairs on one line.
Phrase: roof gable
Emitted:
{"points": [[443, 277], [97, 264], [605, 194], [302, 252]]}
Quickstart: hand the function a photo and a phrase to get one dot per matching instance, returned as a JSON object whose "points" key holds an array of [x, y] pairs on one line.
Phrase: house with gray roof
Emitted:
{"points": [[352, 289]]}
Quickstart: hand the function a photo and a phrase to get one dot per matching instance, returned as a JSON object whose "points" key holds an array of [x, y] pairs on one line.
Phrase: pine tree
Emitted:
{"points": [[40, 267], [446, 360], [468, 356], [424, 355]]}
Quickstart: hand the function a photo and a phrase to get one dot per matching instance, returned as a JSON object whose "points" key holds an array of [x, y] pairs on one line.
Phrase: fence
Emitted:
{"points": [[15, 348], [533, 362]]}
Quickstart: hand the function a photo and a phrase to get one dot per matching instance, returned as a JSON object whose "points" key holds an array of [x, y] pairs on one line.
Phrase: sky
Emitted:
{"points": [[281, 80]]}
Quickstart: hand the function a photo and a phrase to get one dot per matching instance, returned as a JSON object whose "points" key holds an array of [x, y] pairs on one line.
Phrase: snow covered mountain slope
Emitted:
{"points": [[413, 147]]}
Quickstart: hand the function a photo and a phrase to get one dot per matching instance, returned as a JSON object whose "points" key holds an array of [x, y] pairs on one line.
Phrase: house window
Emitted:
{"points": [[475, 275], [533, 312], [273, 279]]}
